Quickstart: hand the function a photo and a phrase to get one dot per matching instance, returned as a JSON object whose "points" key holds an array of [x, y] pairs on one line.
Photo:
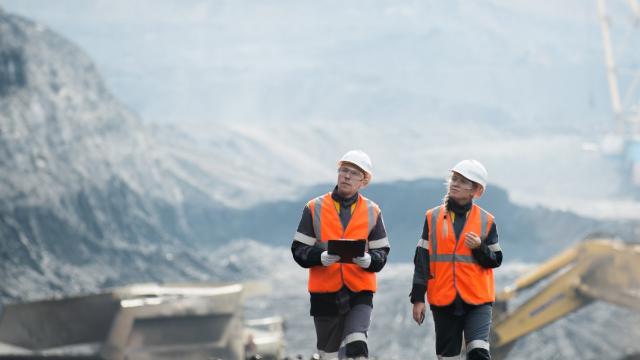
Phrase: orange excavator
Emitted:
{"points": [[599, 268]]}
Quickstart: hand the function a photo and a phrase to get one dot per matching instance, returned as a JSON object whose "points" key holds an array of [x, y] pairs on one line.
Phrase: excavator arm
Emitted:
{"points": [[593, 270]]}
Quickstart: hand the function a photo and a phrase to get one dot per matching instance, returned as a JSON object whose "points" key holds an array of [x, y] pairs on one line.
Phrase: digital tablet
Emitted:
{"points": [[347, 249]]}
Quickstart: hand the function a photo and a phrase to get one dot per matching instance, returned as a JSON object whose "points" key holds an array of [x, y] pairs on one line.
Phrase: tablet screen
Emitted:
{"points": [[347, 249]]}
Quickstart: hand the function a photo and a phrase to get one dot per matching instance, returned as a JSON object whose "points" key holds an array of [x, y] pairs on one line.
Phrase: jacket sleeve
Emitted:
{"points": [[489, 254], [378, 246], [303, 249], [421, 273]]}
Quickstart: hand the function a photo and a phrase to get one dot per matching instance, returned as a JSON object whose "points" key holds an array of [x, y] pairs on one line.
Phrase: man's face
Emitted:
{"points": [[350, 179]]}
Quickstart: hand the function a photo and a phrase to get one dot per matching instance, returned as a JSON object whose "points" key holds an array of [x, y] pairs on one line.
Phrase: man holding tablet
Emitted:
{"points": [[341, 287]]}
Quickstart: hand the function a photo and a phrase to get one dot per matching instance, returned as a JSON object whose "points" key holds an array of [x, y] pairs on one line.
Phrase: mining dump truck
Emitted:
{"points": [[145, 321], [599, 269]]}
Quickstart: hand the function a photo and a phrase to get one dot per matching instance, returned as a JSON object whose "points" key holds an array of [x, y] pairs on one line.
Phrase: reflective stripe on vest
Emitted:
{"points": [[327, 226], [451, 263]]}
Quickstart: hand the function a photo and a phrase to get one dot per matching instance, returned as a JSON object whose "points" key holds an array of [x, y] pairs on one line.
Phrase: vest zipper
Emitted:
{"points": [[344, 230], [455, 249], [341, 273]]}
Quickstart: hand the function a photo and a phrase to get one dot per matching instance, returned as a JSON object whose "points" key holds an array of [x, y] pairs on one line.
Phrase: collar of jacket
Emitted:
{"points": [[458, 209], [345, 203]]}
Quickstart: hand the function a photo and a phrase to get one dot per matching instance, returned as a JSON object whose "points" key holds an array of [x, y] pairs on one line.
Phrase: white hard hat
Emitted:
{"points": [[359, 159], [474, 171]]}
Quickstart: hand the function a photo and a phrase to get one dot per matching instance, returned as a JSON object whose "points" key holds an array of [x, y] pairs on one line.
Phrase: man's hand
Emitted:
{"points": [[363, 261], [328, 259], [472, 240], [418, 312]]}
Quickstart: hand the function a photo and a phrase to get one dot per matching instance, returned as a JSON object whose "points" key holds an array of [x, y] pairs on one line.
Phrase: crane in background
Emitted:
{"points": [[624, 79]]}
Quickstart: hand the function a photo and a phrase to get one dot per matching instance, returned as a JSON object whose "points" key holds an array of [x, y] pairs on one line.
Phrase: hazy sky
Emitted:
{"points": [[530, 71], [289, 60]]}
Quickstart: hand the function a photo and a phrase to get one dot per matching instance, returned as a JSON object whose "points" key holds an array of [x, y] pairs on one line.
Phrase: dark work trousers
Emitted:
{"points": [[344, 336], [475, 323]]}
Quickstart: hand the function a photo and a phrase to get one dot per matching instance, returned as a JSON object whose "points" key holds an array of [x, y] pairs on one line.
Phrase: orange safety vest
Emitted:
{"points": [[452, 265], [327, 226]]}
